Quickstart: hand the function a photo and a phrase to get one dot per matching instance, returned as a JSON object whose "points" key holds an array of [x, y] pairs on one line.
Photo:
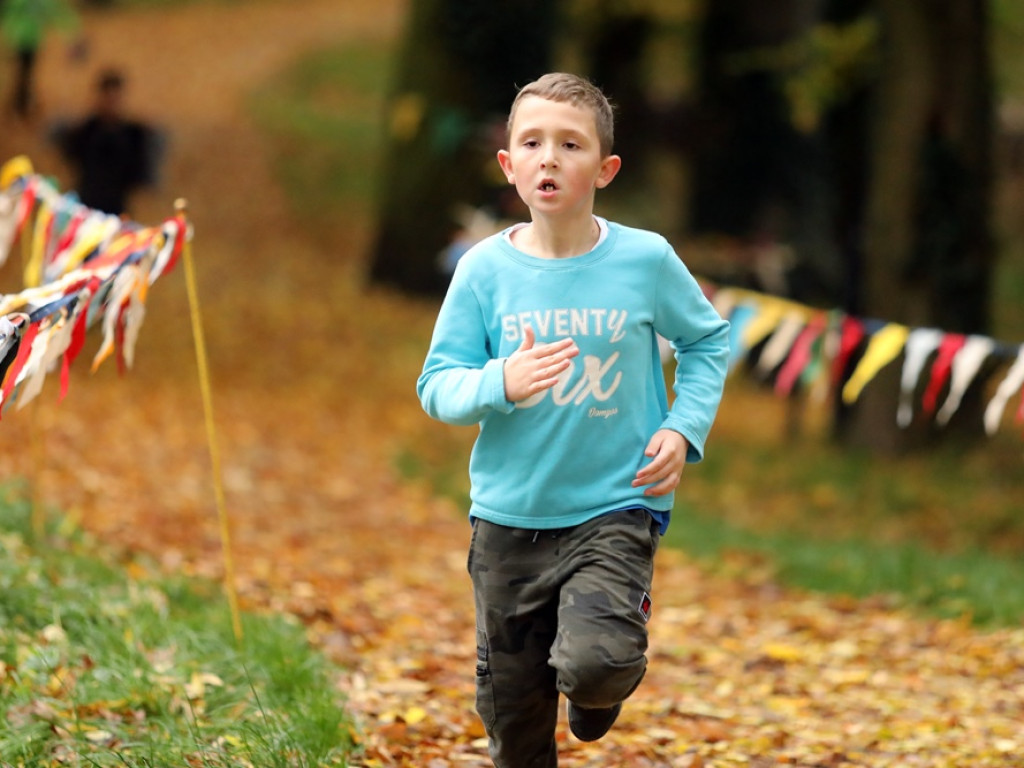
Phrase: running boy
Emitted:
{"points": [[547, 340]]}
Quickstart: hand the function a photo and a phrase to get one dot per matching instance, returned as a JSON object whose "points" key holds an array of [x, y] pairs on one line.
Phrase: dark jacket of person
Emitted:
{"points": [[111, 158]]}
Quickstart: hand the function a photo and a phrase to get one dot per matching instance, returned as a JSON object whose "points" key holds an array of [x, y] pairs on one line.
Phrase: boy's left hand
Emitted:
{"points": [[668, 451]]}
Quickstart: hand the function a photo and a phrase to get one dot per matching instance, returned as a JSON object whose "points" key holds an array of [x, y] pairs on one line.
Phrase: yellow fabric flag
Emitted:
{"points": [[33, 275], [14, 169], [769, 315], [883, 348]]}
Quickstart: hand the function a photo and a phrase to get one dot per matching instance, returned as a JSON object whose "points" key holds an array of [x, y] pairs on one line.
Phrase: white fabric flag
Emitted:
{"points": [[1012, 382]]}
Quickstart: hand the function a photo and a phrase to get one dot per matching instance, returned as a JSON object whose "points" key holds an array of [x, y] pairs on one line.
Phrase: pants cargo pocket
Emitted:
{"points": [[484, 683]]}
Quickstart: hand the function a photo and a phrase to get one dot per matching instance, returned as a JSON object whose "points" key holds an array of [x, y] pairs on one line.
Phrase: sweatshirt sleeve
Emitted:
{"points": [[700, 340], [462, 382]]}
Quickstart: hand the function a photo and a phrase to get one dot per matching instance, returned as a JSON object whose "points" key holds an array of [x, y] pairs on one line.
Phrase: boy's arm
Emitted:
{"points": [[463, 378], [459, 385], [461, 381], [667, 451], [700, 339], [535, 367]]}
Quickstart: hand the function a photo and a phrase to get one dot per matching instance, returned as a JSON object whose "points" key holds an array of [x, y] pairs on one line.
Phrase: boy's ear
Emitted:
{"points": [[505, 161], [609, 167]]}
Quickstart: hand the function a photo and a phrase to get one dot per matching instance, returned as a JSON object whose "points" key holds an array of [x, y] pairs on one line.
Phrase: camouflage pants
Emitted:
{"points": [[559, 611]]}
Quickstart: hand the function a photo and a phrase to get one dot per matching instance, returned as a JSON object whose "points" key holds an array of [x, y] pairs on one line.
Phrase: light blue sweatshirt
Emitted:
{"points": [[570, 453]]}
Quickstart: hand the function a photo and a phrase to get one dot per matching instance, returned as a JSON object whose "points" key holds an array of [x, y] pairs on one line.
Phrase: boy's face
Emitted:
{"points": [[554, 157]]}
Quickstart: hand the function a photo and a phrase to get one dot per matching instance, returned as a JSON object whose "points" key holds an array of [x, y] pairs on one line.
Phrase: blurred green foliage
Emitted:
{"points": [[1007, 43], [819, 69], [324, 116]]}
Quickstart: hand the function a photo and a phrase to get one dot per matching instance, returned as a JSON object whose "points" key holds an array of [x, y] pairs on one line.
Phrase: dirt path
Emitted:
{"points": [[313, 389]]}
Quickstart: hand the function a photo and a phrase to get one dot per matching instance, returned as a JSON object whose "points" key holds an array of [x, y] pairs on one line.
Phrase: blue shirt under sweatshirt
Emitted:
{"points": [[570, 453]]}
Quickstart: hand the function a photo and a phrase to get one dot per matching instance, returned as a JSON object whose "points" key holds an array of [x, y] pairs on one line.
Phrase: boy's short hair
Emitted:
{"points": [[578, 91]]}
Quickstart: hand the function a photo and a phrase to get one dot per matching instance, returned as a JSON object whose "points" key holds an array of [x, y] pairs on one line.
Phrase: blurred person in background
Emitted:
{"points": [[24, 25], [111, 154]]}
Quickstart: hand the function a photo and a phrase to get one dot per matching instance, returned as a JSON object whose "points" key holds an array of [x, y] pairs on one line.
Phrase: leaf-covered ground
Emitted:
{"points": [[313, 391]]}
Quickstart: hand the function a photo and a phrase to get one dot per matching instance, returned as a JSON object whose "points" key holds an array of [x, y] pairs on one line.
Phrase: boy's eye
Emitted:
{"points": [[531, 143], [571, 145]]}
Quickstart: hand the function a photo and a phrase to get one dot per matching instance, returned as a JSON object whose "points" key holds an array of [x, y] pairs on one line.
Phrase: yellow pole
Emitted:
{"points": [[181, 207]]}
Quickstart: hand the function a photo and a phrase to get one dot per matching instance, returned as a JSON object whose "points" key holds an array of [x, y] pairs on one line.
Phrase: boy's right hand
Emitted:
{"points": [[535, 367]]}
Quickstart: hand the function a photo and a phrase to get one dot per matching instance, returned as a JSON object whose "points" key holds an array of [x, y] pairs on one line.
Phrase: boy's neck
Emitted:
{"points": [[560, 239]]}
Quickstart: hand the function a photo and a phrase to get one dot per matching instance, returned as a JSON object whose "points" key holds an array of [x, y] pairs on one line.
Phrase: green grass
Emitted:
{"points": [[103, 665], [972, 583], [948, 497]]}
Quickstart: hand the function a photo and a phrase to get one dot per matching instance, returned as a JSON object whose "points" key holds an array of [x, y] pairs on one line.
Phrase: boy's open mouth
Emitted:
{"points": [[548, 186]]}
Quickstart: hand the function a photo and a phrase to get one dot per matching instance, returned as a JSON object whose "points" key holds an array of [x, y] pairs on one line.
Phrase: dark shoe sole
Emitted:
{"points": [[591, 724]]}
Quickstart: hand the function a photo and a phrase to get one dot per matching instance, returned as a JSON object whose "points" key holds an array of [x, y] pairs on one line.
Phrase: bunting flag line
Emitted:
{"points": [[796, 346], [82, 268]]}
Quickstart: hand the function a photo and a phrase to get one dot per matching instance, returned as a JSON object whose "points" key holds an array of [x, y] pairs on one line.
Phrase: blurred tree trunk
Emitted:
{"points": [[459, 67], [614, 45], [757, 177], [846, 127], [927, 241]]}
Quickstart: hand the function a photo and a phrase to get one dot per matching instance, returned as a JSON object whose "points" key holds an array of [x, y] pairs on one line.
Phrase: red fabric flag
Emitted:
{"points": [[77, 337], [800, 355], [19, 362], [948, 347], [852, 334]]}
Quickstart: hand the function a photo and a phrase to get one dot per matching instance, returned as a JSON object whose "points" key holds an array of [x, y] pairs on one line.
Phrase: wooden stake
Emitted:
{"points": [[181, 207]]}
